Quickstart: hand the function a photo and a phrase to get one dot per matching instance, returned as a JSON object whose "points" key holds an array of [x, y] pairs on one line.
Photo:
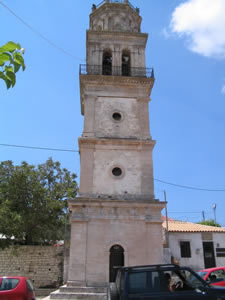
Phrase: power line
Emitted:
{"points": [[39, 34], [189, 187], [39, 148], [76, 151]]}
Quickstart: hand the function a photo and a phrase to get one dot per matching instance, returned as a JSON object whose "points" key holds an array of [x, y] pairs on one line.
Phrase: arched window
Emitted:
{"points": [[107, 63], [125, 63], [116, 259]]}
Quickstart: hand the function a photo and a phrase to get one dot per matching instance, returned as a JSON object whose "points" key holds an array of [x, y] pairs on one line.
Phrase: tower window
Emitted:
{"points": [[126, 63], [107, 63], [117, 172], [117, 116]]}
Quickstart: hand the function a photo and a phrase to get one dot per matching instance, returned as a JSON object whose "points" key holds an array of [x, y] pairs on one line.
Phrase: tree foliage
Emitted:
{"points": [[210, 222], [11, 60], [33, 202]]}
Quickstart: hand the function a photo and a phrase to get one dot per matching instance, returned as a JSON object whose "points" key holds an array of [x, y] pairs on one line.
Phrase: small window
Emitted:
{"points": [[185, 249], [8, 284], [117, 116], [117, 171]]}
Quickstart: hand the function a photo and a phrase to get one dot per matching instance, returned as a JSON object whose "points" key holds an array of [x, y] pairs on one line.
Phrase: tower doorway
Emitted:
{"points": [[116, 259]]}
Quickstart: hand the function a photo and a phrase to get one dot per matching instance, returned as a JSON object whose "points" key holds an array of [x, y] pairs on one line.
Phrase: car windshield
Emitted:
{"points": [[202, 274], [192, 280], [181, 280], [29, 285], [8, 283]]}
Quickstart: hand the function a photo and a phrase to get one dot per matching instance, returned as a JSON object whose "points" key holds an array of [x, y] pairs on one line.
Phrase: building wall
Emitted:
{"points": [[196, 261], [42, 264], [98, 225]]}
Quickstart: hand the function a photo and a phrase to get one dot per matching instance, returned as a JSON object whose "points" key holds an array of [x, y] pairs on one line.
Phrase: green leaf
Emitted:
{"points": [[16, 67], [18, 58], [4, 57], [9, 68], [8, 82], [10, 47], [11, 76], [2, 75]]}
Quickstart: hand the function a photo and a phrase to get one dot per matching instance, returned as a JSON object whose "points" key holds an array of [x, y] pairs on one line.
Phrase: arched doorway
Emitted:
{"points": [[107, 63], [126, 63], [116, 259]]}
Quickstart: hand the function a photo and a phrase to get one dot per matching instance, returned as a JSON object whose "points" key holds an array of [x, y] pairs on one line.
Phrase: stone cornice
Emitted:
{"points": [[135, 144], [87, 209], [117, 80], [135, 201], [116, 35]]}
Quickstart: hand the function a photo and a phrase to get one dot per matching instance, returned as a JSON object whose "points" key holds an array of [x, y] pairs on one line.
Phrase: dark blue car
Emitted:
{"points": [[164, 282]]}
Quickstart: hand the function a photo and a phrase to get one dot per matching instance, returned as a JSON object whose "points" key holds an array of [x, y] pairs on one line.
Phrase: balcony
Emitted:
{"points": [[116, 71]]}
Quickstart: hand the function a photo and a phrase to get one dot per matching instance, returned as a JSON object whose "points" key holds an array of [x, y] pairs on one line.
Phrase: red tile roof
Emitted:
{"points": [[179, 226]]}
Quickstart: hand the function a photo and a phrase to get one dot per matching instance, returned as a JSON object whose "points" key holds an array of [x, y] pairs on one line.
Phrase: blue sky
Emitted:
{"points": [[186, 47]]}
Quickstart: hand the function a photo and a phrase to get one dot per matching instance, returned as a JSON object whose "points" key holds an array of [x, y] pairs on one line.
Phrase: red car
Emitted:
{"points": [[214, 276], [16, 288]]}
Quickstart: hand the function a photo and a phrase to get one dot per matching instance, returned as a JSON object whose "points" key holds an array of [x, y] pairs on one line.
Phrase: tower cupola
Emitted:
{"points": [[114, 15]]}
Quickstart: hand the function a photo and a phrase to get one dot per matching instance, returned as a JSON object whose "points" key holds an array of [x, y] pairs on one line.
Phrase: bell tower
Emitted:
{"points": [[116, 219]]}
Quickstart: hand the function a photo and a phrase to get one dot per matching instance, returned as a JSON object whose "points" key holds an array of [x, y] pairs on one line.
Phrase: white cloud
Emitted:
{"points": [[202, 22], [223, 89]]}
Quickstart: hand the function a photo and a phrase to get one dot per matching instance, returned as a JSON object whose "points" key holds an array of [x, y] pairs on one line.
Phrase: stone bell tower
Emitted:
{"points": [[115, 220]]}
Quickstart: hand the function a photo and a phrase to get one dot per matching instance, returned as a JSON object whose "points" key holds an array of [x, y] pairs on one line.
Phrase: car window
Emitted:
{"points": [[8, 284], [192, 280], [181, 280], [140, 282], [217, 275], [202, 274], [29, 285]]}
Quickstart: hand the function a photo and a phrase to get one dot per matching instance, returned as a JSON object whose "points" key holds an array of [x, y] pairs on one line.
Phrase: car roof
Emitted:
{"points": [[13, 277], [153, 267], [211, 269]]}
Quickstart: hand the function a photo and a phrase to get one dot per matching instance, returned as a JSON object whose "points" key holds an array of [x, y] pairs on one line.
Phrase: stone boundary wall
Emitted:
{"points": [[42, 264]]}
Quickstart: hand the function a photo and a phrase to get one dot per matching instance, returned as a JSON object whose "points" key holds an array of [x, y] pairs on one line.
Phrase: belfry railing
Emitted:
{"points": [[116, 71]]}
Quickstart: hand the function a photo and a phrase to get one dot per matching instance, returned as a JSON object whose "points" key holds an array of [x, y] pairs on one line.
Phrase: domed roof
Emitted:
{"points": [[115, 15]]}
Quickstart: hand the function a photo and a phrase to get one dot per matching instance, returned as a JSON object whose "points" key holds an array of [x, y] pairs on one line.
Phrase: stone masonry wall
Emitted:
{"points": [[42, 264]]}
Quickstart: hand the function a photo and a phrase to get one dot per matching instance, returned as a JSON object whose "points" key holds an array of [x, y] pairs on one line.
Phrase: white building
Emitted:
{"points": [[194, 245]]}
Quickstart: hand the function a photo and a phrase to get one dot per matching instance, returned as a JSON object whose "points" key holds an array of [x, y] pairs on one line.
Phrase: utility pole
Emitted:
{"points": [[203, 216], [214, 211]]}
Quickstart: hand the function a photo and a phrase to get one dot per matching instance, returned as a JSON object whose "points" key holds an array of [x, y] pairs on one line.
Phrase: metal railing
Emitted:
{"points": [[116, 71], [115, 1]]}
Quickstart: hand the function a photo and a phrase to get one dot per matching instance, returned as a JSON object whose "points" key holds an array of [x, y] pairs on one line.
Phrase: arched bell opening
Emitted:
{"points": [[126, 63], [107, 63], [116, 259]]}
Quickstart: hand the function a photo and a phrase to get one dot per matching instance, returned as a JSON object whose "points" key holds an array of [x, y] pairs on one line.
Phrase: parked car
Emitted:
{"points": [[162, 282], [16, 288], [214, 276]]}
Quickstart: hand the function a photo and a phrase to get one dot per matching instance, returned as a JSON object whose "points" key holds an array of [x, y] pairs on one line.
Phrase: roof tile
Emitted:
{"points": [[179, 226]]}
